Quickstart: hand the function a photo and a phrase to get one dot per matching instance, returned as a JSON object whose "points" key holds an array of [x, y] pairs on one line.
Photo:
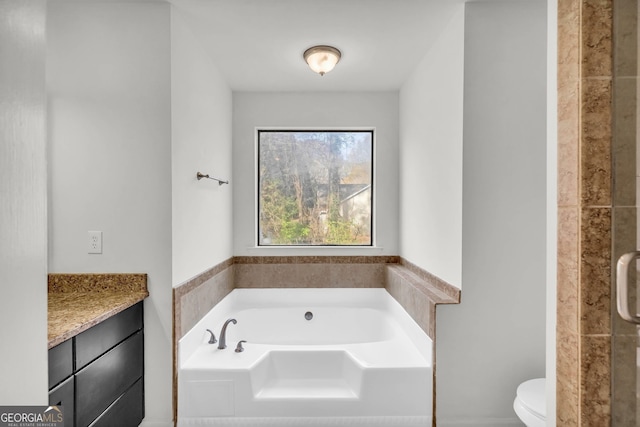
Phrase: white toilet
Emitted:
{"points": [[530, 403]]}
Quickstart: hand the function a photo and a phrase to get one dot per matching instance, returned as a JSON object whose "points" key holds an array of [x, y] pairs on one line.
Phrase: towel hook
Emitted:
{"points": [[201, 175]]}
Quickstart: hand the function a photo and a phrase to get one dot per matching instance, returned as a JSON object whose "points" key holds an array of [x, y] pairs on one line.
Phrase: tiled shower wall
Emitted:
{"points": [[596, 219], [584, 212]]}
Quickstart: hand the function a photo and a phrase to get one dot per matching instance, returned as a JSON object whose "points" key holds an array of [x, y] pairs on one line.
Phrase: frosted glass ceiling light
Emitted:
{"points": [[322, 59]]}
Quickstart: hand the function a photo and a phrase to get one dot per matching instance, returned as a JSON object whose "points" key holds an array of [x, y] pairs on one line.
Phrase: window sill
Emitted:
{"points": [[316, 250]]}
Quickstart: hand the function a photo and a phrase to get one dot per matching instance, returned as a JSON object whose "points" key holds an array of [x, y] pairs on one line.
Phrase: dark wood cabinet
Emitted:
{"points": [[96, 341], [100, 383], [64, 395], [60, 363], [104, 386], [126, 411]]}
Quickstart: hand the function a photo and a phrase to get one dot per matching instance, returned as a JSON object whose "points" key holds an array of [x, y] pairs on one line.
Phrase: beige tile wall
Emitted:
{"points": [[588, 162], [312, 271], [569, 98], [197, 296]]}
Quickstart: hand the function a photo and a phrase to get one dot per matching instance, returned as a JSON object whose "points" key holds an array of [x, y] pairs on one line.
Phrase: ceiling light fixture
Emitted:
{"points": [[322, 59]]}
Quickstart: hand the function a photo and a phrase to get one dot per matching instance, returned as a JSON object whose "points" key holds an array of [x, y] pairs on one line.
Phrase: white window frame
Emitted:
{"points": [[321, 248]]}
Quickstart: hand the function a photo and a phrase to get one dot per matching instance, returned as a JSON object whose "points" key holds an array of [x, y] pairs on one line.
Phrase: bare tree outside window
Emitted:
{"points": [[315, 188]]}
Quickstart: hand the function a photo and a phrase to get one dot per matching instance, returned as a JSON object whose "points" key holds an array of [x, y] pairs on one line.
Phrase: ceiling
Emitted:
{"points": [[257, 44]]}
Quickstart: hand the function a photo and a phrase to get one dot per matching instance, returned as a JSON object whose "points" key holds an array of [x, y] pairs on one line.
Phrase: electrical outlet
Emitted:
{"points": [[95, 242]]}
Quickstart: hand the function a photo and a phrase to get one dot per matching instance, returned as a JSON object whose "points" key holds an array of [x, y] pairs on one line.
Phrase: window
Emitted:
{"points": [[315, 188]]}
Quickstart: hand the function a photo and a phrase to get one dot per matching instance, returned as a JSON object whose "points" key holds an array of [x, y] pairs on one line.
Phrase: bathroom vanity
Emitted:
{"points": [[96, 371]]}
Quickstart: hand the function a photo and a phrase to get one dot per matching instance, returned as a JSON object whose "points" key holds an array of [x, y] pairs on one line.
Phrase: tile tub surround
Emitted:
{"points": [[191, 301], [418, 294], [418, 291], [415, 289], [77, 302], [195, 297], [312, 271]]}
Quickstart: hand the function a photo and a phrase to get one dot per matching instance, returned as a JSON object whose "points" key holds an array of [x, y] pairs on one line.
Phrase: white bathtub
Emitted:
{"points": [[360, 361]]}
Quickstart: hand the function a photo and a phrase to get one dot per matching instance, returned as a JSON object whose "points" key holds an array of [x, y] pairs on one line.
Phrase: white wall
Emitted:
{"points": [[315, 110], [431, 156], [201, 141], [108, 72], [495, 338], [23, 195]]}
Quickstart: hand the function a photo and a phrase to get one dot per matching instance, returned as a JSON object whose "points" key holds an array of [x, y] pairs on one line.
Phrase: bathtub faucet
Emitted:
{"points": [[223, 334], [212, 339]]}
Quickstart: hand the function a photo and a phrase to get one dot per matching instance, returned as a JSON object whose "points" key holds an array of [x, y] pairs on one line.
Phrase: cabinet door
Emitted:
{"points": [[93, 342], [62, 395], [101, 382], [127, 411], [60, 362]]}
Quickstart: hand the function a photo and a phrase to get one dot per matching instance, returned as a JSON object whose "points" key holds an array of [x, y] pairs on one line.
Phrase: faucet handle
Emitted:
{"points": [[212, 340], [239, 348]]}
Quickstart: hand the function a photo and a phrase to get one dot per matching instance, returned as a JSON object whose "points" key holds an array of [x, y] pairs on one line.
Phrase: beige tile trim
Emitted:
{"points": [[384, 259], [189, 285], [434, 282], [418, 296]]}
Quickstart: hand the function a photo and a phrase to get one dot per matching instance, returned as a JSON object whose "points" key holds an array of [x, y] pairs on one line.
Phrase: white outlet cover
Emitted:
{"points": [[94, 242]]}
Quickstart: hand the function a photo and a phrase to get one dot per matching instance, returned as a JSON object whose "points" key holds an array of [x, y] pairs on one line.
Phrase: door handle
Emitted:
{"points": [[622, 287]]}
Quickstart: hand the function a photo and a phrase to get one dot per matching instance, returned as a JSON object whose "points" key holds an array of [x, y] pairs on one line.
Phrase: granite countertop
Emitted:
{"points": [[79, 301]]}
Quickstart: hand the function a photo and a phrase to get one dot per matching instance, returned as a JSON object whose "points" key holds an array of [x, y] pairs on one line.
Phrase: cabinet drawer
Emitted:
{"points": [[127, 411], [93, 342], [60, 362], [101, 382], [63, 396]]}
